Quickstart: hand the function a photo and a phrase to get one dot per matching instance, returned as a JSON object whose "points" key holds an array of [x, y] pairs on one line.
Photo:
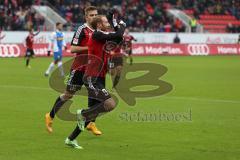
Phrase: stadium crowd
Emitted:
{"points": [[19, 15], [140, 15], [210, 7]]}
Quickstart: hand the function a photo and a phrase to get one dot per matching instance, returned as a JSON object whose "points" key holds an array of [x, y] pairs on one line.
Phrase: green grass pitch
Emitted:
{"points": [[209, 86]]}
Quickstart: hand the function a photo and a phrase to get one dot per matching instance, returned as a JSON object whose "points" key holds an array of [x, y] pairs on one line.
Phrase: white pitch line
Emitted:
{"points": [[24, 87], [167, 97]]}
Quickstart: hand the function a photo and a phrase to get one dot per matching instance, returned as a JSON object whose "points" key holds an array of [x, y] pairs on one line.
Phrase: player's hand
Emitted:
{"points": [[122, 23], [111, 18], [48, 53]]}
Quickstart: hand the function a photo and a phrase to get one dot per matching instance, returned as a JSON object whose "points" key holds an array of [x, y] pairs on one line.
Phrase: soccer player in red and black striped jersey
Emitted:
{"points": [[127, 39], [75, 81], [96, 70], [115, 65], [29, 45]]}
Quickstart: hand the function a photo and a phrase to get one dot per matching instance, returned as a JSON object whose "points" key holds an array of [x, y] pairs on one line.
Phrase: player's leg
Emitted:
{"points": [[112, 70], [130, 56], [106, 104], [119, 65], [50, 68], [28, 56], [60, 101], [90, 125], [92, 113], [74, 84], [60, 66], [117, 77], [28, 62], [52, 64]]}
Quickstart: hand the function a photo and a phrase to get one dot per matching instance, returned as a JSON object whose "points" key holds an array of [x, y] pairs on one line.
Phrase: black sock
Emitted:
{"points": [[27, 61], [57, 105], [76, 132], [91, 113], [86, 123], [116, 80], [131, 60]]}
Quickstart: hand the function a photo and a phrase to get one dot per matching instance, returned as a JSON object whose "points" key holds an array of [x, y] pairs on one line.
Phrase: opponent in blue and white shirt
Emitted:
{"points": [[56, 45]]}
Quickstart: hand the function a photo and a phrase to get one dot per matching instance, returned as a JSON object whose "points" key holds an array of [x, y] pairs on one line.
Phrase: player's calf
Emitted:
{"points": [[56, 107]]}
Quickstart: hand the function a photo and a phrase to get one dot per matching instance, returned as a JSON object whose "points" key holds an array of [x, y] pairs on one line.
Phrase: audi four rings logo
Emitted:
{"points": [[9, 50], [198, 49]]}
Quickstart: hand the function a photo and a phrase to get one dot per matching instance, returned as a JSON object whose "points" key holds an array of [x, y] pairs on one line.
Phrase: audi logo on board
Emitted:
{"points": [[9, 50], [198, 49]]}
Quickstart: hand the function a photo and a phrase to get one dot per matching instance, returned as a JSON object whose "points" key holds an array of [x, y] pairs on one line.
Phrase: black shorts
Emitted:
{"points": [[29, 53], [97, 91], [115, 61], [129, 52], [75, 81]]}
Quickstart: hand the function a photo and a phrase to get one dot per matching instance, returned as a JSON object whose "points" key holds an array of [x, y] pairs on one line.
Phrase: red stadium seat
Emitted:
{"points": [[217, 17], [219, 22]]}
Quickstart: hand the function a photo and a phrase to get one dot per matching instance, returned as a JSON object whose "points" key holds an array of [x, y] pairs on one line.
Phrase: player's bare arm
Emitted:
{"points": [[79, 49]]}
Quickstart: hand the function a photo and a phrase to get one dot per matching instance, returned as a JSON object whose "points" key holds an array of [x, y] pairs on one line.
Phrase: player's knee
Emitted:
{"points": [[109, 104], [67, 95]]}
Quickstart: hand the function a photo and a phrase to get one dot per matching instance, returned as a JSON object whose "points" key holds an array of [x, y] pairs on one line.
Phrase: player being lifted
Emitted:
{"points": [[74, 84], [56, 45], [127, 39], [29, 45], [95, 73]]}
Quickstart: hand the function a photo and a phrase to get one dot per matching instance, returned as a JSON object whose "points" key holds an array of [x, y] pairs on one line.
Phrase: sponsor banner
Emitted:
{"points": [[18, 50], [186, 49], [146, 37]]}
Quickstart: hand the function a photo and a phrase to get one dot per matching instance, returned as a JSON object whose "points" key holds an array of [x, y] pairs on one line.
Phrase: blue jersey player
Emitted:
{"points": [[56, 45]]}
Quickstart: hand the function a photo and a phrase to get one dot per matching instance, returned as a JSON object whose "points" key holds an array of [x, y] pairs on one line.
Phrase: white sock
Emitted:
{"points": [[50, 68], [60, 67]]}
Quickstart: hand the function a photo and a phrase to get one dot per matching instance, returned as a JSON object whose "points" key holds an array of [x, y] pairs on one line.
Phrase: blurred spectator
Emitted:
{"points": [[193, 24], [231, 28], [176, 39], [140, 15], [18, 15]]}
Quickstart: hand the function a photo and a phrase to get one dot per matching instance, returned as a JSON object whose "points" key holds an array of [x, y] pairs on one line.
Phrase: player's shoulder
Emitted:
{"points": [[98, 33], [82, 28]]}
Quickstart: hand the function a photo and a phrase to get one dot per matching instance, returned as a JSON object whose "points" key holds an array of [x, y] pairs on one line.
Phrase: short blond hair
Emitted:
{"points": [[90, 8]]}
